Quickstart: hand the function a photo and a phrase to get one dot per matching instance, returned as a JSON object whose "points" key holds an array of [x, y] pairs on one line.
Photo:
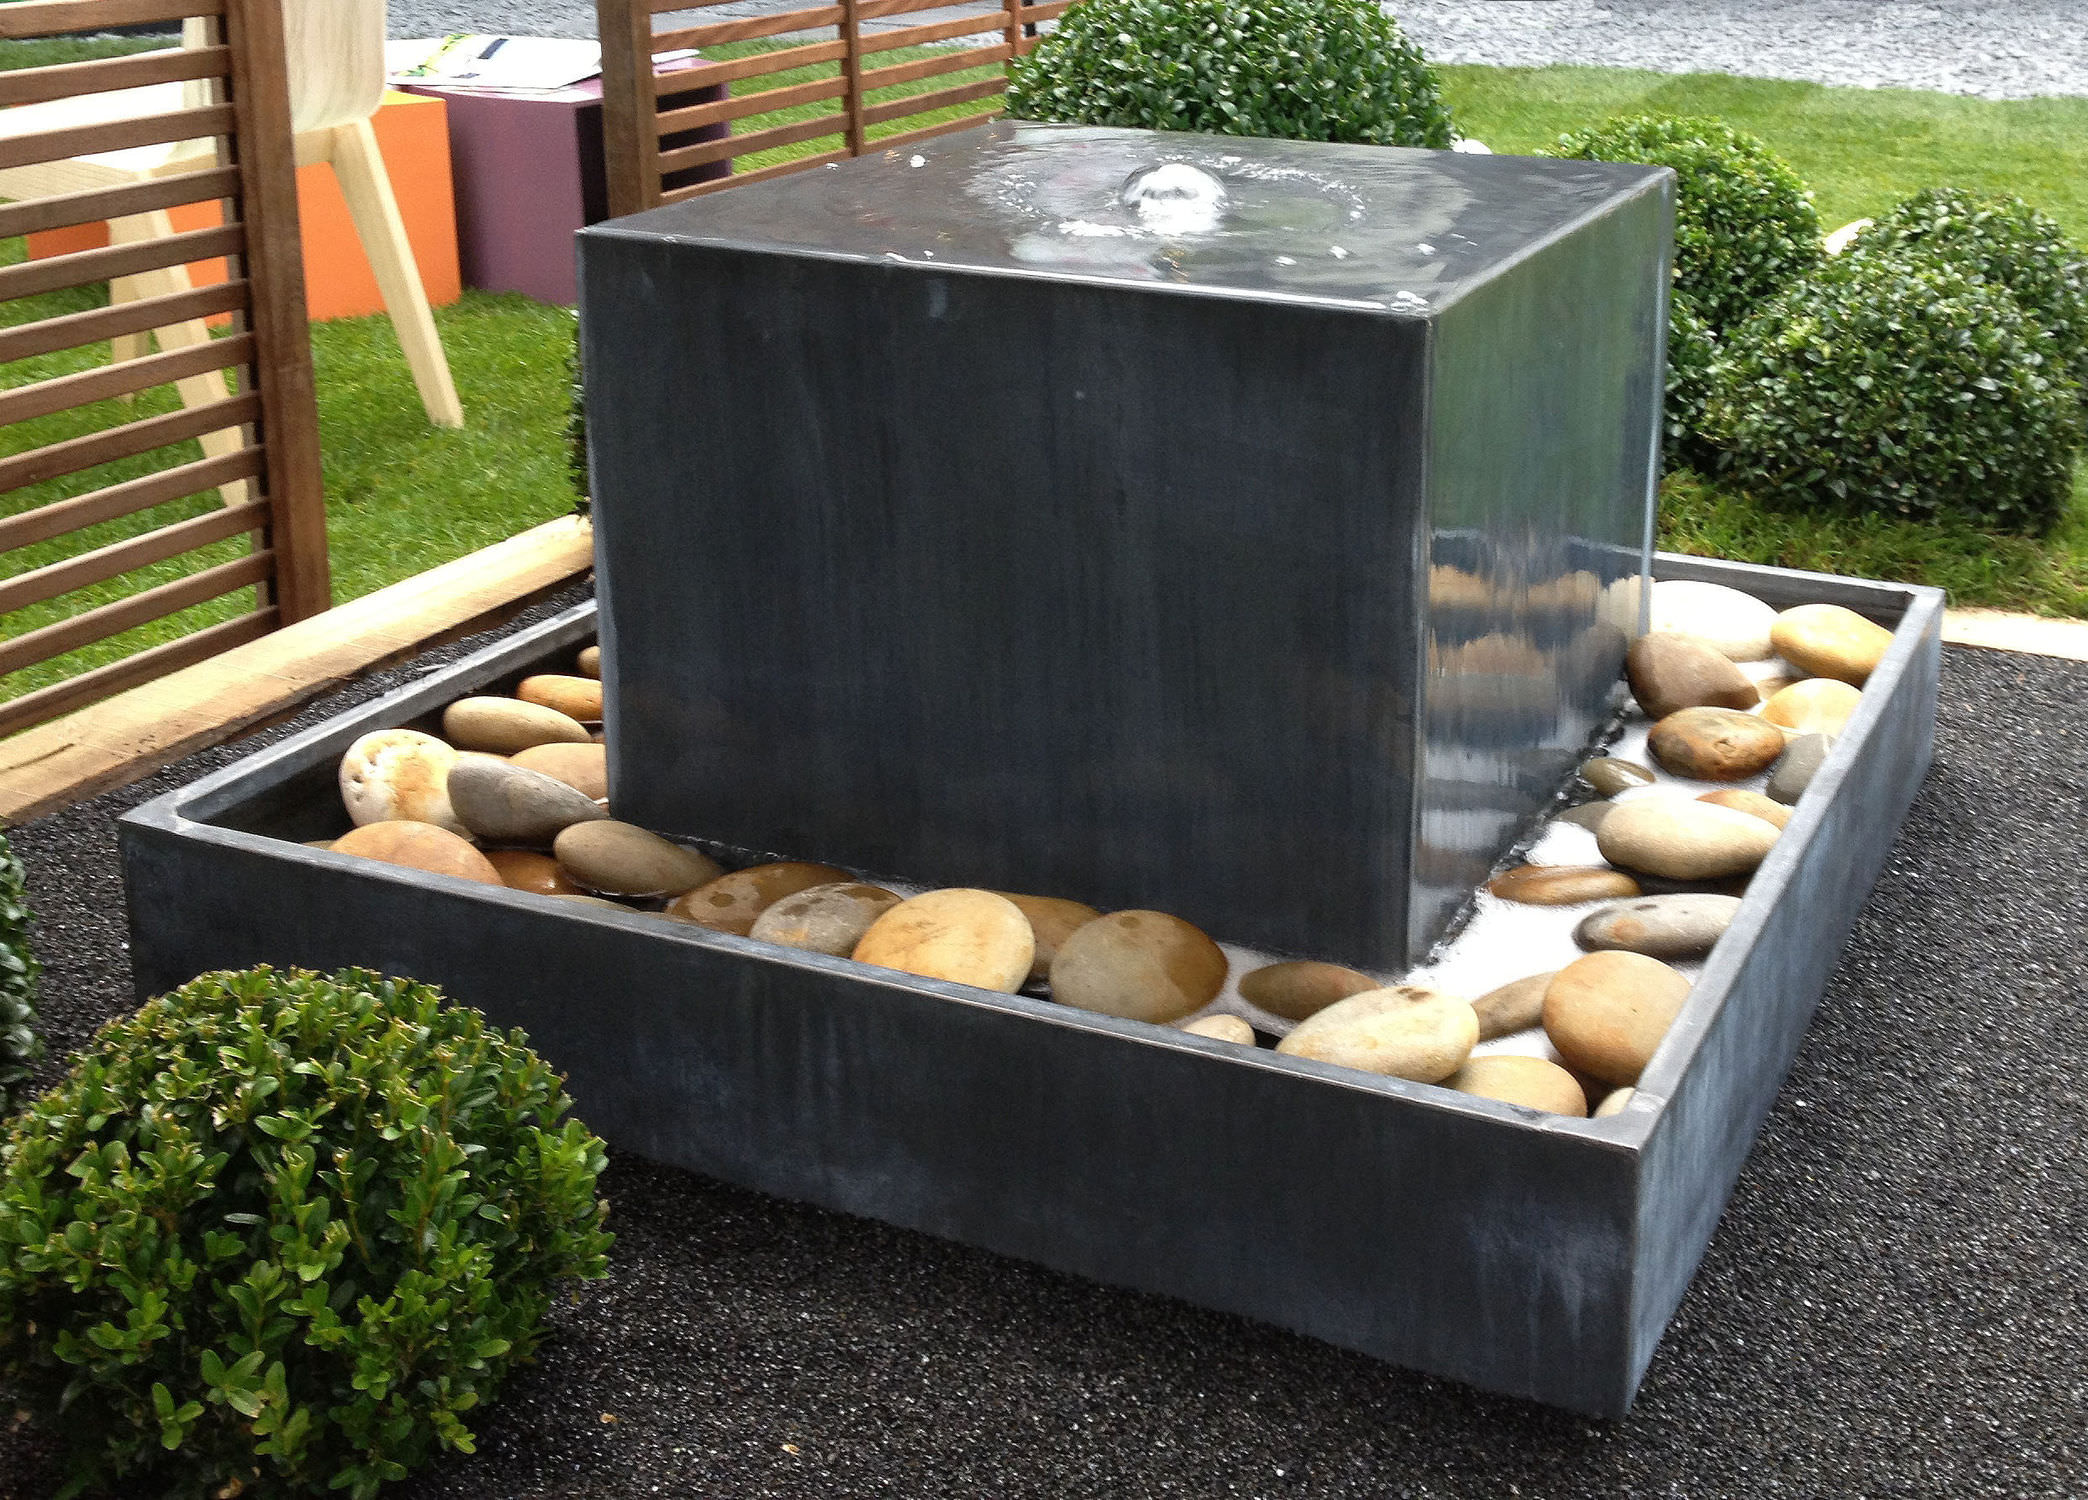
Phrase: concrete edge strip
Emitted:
{"points": [[1997, 630]]}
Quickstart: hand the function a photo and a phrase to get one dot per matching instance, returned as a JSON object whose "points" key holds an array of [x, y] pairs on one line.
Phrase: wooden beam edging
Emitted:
{"points": [[121, 739]]}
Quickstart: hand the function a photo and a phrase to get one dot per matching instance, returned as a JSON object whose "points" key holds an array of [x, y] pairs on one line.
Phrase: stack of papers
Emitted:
{"points": [[516, 64]]}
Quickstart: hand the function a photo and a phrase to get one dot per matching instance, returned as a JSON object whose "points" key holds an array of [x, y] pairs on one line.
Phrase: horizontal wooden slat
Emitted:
{"points": [[85, 267], [1034, 15], [53, 17], [877, 10], [125, 378], [117, 135], [956, 61], [934, 31], [660, 7], [157, 661], [118, 558], [699, 115], [921, 104], [715, 33], [128, 441], [760, 65], [747, 145], [105, 74], [946, 127], [97, 204], [119, 318], [740, 179], [93, 625], [128, 498]]}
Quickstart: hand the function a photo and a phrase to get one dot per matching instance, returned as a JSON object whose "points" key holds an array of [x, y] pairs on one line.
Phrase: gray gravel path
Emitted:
{"points": [[2001, 49], [1895, 1303]]}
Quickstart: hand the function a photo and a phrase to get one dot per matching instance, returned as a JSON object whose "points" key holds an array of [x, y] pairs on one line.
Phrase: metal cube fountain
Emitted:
{"points": [[1243, 528]]}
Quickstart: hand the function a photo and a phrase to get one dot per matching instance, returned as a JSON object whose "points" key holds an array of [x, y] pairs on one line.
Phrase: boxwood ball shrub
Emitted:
{"points": [[1745, 226], [1304, 70], [20, 1046], [1897, 384], [2006, 242], [280, 1233], [1691, 348]]}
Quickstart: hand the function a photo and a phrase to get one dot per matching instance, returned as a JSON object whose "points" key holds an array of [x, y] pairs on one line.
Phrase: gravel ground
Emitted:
{"points": [[1893, 1304], [2000, 49]]}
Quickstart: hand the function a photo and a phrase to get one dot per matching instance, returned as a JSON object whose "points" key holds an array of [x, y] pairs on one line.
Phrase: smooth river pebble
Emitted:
{"points": [[1406, 1031]]}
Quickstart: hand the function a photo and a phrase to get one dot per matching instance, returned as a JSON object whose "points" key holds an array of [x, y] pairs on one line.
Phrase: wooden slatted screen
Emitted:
{"points": [[255, 500], [826, 58]]}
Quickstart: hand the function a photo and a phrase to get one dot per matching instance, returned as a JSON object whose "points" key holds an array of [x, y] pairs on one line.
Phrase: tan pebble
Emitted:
{"points": [[578, 698], [825, 919], [1606, 1013], [1561, 885], [1515, 1006], [1529, 1081], [1753, 803], [526, 870], [1683, 839], [507, 725], [1714, 744], [1669, 672], [1052, 920], [1221, 1029], [1818, 705], [1609, 775], [1141, 965], [317, 843], [1406, 1031], [731, 903], [1613, 1103], [620, 859], [1830, 641], [590, 662], [1301, 988], [418, 846], [1588, 815], [399, 774], [584, 768], [585, 899], [503, 803], [964, 936]]}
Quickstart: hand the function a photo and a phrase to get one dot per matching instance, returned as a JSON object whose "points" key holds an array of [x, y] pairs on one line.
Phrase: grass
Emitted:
{"points": [[402, 496]]}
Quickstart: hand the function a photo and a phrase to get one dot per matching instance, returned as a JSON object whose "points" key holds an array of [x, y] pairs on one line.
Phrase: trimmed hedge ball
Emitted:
{"points": [[280, 1233], [20, 1044], [1744, 223], [1897, 384], [1691, 349], [1302, 70]]}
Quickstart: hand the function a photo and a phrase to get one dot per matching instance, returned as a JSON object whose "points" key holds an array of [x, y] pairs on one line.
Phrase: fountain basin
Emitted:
{"points": [[1529, 1254]]}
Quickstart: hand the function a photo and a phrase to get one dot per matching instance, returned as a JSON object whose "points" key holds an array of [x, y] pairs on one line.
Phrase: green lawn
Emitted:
{"points": [[403, 497]]}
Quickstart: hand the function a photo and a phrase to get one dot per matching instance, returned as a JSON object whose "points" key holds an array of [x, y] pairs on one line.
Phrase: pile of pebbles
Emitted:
{"points": [[1740, 708]]}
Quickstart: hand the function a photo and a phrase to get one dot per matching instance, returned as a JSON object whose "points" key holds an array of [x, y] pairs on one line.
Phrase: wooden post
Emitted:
{"points": [[1014, 29], [852, 72], [274, 267], [630, 138]]}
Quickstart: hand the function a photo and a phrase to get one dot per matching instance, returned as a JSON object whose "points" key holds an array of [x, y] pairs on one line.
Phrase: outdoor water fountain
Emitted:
{"points": [[1241, 529]]}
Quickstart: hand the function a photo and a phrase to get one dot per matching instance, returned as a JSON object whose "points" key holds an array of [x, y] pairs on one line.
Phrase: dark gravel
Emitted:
{"points": [[1893, 1304]]}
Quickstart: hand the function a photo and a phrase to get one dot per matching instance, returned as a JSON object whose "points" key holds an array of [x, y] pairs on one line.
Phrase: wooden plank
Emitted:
{"points": [[921, 104], [128, 498], [747, 145], [97, 204], [716, 33], [957, 61], [142, 666], [928, 132], [96, 324], [282, 363], [85, 267], [628, 144], [93, 625], [743, 105], [125, 378], [935, 31], [51, 17], [116, 135], [1031, 15], [759, 65], [740, 179], [118, 558], [132, 438], [132, 735], [68, 80], [877, 10], [656, 7], [852, 73]]}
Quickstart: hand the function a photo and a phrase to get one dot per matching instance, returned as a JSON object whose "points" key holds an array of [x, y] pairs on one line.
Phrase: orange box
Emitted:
{"points": [[413, 135]]}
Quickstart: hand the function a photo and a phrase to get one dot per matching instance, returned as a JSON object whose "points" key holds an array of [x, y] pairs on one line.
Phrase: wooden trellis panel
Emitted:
{"points": [[645, 144], [262, 448]]}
